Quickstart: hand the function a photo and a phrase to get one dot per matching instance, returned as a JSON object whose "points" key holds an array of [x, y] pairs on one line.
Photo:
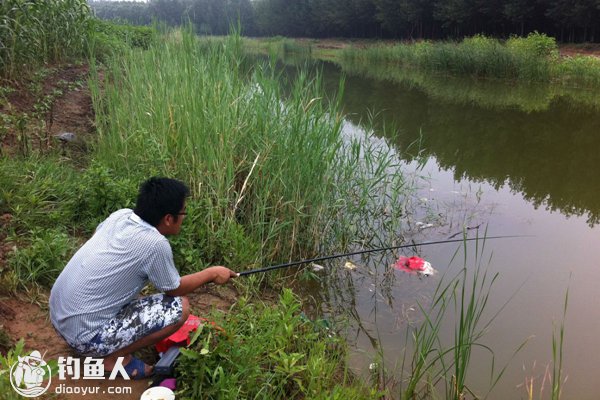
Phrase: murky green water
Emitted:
{"points": [[519, 160]]}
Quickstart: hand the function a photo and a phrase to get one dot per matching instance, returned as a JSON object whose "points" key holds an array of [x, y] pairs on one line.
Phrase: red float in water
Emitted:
{"points": [[414, 265]]}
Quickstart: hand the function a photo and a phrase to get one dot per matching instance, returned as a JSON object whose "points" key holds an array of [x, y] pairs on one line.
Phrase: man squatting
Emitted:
{"points": [[95, 304]]}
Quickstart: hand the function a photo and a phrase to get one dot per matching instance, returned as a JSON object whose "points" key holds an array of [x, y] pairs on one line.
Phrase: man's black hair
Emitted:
{"points": [[158, 197]]}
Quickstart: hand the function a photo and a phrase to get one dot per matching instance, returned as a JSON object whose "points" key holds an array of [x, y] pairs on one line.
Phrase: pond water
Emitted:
{"points": [[506, 158]]}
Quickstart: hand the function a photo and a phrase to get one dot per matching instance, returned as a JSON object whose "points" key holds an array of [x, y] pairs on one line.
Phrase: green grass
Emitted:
{"points": [[267, 352], [52, 204]]}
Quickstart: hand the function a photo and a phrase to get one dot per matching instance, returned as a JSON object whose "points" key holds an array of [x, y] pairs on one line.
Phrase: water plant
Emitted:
{"points": [[557, 353], [437, 359]]}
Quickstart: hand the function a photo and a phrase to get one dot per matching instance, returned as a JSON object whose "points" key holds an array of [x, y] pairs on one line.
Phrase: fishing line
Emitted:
{"points": [[290, 264]]}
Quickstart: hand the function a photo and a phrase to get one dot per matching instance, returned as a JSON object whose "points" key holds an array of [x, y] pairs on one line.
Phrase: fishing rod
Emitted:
{"points": [[291, 264]]}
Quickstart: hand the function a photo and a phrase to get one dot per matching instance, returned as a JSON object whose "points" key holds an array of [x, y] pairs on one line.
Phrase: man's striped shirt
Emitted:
{"points": [[108, 272]]}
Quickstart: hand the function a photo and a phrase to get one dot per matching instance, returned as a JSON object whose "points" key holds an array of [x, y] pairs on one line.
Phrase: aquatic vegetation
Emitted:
{"points": [[557, 353]]}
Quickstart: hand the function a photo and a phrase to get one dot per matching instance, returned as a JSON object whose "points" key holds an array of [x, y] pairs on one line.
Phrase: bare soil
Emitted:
{"points": [[69, 109], [585, 49]]}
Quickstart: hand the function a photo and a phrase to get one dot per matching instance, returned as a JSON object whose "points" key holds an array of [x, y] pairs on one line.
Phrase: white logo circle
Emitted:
{"points": [[27, 375]]}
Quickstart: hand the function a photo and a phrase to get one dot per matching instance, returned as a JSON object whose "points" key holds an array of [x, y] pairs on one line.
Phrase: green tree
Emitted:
{"points": [[453, 14], [516, 12], [399, 16]]}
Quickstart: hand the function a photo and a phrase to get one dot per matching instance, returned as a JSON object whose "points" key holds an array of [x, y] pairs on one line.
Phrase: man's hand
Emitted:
{"points": [[222, 274], [191, 282]]}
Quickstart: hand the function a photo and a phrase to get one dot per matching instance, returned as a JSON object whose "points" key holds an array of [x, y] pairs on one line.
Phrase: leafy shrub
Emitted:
{"points": [[133, 35], [108, 38], [6, 362], [537, 44], [207, 239], [100, 192]]}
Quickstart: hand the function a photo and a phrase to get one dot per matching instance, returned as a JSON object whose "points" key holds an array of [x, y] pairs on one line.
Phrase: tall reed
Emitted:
{"points": [[557, 354], [264, 165], [37, 32]]}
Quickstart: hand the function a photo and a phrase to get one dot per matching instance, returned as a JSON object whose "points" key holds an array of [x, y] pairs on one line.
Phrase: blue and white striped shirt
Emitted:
{"points": [[108, 272]]}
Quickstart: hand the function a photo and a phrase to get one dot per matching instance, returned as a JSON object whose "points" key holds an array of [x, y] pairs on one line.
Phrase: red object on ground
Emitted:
{"points": [[182, 336], [410, 264]]}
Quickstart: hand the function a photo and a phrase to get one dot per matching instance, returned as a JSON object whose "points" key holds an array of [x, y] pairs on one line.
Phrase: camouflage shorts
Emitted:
{"points": [[136, 320]]}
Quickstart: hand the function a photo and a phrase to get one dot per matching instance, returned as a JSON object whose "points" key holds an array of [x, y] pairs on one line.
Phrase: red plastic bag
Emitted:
{"points": [[182, 336], [410, 264], [414, 265]]}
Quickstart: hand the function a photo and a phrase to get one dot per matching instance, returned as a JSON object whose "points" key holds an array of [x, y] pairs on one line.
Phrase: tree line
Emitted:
{"points": [[567, 20]]}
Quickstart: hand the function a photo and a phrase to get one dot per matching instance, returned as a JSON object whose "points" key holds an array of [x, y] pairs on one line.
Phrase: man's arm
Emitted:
{"points": [[191, 282]]}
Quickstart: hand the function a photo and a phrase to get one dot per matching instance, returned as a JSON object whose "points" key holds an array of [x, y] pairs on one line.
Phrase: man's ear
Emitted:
{"points": [[165, 221], [168, 220]]}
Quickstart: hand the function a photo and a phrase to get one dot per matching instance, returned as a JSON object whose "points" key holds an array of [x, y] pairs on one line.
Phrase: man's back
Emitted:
{"points": [[108, 272]]}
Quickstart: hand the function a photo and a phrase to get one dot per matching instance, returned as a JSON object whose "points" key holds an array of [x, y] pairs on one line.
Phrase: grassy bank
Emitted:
{"points": [[531, 59], [534, 58], [271, 178], [269, 353], [488, 93]]}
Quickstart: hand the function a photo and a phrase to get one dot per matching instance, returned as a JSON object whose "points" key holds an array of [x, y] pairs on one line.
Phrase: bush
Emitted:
{"points": [[6, 362], [133, 35], [98, 193], [537, 44], [108, 38]]}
